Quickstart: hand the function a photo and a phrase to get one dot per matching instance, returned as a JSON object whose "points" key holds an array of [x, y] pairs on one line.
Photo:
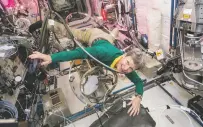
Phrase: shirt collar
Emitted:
{"points": [[115, 61]]}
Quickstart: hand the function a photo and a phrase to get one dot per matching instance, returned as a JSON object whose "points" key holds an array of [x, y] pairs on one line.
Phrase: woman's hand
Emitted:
{"points": [[135, 106], [45, 58]]}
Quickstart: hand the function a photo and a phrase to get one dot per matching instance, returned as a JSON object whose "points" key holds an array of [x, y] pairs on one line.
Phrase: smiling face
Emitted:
{"points": [[126, 65]]}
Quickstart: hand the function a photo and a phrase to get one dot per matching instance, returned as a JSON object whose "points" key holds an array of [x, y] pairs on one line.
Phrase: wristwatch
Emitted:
{"points": [[138, 95]]}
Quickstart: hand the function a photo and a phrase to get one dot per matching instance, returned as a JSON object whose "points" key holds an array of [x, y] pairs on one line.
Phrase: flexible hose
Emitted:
{"points": [[63, 117], [72, 86], [42, 35], [192, 37], [76, 42]]}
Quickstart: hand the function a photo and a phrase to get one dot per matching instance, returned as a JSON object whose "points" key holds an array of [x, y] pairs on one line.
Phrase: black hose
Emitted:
{"points": [[36, 25], [75, 42], [101, 125], [44, 29], [71, 36]]}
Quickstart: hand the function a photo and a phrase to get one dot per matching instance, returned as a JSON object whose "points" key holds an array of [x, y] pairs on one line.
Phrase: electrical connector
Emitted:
{"points": [[185, 109], [51, 22], [50, 113], [27, 111]]}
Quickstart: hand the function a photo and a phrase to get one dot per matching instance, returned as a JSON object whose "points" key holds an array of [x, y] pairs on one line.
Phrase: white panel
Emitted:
{"points": [[142, 20], [166, 8], [156, 4], [154, 29], [165, 33], [144, 8], [165, 43], [165, 25]]}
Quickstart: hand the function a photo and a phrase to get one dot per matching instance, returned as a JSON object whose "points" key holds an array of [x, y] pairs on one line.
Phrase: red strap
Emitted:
{"points": [[104, 14]]}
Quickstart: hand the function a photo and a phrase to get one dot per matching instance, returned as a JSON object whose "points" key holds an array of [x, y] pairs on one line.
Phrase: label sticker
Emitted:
{"points": [[159, 54], [187, 13], [51, 22]]}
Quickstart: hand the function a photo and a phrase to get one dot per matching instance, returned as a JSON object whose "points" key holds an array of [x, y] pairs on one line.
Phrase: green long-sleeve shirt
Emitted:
{"points": [[103, 51]]}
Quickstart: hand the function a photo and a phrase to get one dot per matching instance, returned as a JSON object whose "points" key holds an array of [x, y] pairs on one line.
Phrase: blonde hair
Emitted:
{"points": [[137, 56]]}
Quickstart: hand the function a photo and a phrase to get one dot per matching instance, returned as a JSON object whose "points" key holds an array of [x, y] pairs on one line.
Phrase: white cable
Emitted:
{"points": [[20, 105], [177, 107], [64, 118], [194, 113], [162, 106], [105, 100], [192, 125], [70, 122], [192, 37], [197, 116], [70, 70]]}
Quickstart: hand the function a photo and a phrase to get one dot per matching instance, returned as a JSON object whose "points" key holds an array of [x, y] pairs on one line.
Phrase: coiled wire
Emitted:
{"points": [[10, 108]]}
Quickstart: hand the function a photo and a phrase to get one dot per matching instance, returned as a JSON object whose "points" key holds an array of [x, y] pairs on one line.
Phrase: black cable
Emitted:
{"points": [[112, 104], [98, 117], [33, 27], [33, 101], [40, 14], [44, 31], [35, 121]]}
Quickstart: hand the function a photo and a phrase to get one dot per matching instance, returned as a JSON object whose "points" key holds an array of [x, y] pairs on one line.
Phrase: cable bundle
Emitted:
{"points": [[6, 106]]}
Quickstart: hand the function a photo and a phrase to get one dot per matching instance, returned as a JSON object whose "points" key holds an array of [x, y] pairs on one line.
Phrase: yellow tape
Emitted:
{"points": [[186, 16]]}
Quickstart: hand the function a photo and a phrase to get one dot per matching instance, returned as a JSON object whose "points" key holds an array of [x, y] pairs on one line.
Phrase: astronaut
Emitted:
{"points": [[102, 48]]}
